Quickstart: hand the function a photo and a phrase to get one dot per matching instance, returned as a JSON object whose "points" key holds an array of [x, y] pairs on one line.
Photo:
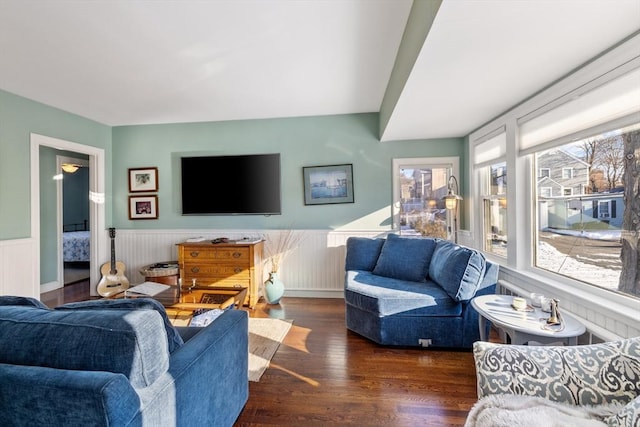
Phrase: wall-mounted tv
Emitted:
{"points": [[231, 185]]}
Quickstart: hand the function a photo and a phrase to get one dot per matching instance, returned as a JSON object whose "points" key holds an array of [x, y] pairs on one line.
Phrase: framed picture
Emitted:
{"points": [[328, 184], [143, 207], [143, 180]]}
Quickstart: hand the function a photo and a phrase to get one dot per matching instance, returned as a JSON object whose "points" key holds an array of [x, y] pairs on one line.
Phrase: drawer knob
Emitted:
{"points": [[195, 269], [237, 255], [237, 270], [237, 286], [194, 254]]}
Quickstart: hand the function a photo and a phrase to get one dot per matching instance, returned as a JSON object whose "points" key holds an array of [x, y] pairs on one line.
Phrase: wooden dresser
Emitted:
{"points": [[230, 265]]}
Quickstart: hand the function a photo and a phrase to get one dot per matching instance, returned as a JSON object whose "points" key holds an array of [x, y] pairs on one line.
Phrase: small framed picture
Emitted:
{"points": [[143, 207], [328, 184], [143, 180]]}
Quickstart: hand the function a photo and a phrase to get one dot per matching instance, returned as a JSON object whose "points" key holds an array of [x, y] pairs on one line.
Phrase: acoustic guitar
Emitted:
{"points": [[113, 280]]}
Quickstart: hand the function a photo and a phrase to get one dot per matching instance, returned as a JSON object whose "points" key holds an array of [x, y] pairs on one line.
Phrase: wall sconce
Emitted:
{"points": [[451, 203], [70, 167]]}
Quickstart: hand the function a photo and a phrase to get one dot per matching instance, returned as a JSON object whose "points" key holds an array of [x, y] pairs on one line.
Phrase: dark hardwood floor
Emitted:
{"points": [[323, 374]]}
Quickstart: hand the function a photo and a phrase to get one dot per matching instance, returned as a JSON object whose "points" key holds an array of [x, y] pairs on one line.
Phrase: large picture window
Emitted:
{"points": [[581, 216]]}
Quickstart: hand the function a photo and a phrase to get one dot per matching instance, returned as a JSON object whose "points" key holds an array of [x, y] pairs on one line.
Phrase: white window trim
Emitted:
{"points": [[434, 162], [570, 173], [603, 310]]}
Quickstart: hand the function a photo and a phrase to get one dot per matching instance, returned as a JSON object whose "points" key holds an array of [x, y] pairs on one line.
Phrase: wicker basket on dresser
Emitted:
{"points": [[223, 265]]}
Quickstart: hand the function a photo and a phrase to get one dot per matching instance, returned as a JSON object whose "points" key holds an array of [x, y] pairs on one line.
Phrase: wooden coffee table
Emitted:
{"points": [[525, 326], [181, 304]]}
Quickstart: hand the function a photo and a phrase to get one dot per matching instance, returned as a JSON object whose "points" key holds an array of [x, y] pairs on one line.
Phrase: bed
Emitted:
{"points": [[76, 240]]}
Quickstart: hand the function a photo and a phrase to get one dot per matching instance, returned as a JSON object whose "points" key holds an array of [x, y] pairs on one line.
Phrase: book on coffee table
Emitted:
{"points": [[148, 288]]}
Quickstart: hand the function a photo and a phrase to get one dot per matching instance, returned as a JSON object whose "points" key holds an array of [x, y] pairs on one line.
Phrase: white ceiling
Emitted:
{"points": [[124, 62]]}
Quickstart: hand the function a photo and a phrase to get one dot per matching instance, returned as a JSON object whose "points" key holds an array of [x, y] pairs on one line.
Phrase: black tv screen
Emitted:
{"points": [[231, 185]]}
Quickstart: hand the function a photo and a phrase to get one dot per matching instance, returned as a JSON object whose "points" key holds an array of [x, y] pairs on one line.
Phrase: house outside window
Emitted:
{"points": [[544, 173], [567, 173], [419, 187], [579, 232]]}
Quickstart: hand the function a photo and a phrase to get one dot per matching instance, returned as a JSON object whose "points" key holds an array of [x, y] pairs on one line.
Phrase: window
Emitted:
{"points": [[544, 173], [567, 173], [579, 233], [491, 169], [545, 191], [495, 209], [419, 187]]}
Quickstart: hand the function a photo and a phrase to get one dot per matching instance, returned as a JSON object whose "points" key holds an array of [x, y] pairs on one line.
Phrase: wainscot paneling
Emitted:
{"points": [[314, 268], [18, 268]]}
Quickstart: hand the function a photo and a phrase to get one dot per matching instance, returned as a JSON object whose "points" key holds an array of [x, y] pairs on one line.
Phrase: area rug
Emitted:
{"points": [[265, 336]]}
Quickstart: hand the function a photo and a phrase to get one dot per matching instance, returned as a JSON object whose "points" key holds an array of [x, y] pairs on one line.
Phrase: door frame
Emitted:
{"points": [[96, 200]]}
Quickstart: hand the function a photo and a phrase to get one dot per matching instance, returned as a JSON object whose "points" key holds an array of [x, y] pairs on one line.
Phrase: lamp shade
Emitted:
{"points": [[70, 167], [451, 199]]}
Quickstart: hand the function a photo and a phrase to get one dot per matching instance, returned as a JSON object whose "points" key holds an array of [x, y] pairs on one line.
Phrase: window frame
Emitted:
{"points": [[452, 162], [610, 314]]}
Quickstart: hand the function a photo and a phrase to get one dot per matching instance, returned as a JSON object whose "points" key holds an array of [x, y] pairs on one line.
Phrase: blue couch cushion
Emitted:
{"points": [[174, 338], [362, 253], [386, 297], [14, 300], [130, 342], [459, 270], [405, 258]]}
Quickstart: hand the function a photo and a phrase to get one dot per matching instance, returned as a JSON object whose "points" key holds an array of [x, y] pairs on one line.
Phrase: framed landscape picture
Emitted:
{"points": [[328, 184], [143, 180], [143, 207]]}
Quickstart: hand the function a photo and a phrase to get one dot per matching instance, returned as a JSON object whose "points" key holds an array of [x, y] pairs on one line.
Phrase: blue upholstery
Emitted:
{"points": [[405, 259], [363, 253], [173, 337], [433, 310], [112, 367], [457, 269]]}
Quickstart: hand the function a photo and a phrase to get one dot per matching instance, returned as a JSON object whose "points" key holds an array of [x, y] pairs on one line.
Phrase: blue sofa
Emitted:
{"points": [[118, 363], [415, 291]]}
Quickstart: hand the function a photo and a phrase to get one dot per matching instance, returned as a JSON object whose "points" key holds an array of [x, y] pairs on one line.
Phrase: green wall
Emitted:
{"points": [[302, 141], [19, 117]]}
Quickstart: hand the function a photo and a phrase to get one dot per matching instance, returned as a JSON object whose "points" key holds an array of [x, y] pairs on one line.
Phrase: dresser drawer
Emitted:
{"points": [[216, 254], [193, 269]]}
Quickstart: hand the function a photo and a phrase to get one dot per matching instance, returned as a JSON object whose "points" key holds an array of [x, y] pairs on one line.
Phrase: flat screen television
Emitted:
{"points": [[231, 185]]}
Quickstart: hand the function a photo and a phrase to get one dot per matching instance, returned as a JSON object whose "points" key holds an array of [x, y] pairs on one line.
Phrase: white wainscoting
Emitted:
{"points": [[313, 269], [19, 272]]}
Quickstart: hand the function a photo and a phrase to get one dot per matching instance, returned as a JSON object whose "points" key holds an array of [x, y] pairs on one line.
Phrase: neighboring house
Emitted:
{"points": [[561, 174], [578, 212]]}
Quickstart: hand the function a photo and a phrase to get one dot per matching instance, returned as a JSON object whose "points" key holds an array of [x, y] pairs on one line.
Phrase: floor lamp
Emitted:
{"points": [[451, 203]]}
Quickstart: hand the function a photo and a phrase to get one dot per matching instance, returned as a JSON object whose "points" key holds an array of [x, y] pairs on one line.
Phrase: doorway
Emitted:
{"points": [[98, 239], [73, 217]]}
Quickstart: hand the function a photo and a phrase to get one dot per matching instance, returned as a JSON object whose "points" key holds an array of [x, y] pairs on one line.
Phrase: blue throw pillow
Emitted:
{"points": [[26, 301], [457, 269], [174, 338], [362, 253], [405, 258]]}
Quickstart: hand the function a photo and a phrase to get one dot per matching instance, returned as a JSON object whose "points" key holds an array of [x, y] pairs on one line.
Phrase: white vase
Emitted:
{"points": [[273, 288]]}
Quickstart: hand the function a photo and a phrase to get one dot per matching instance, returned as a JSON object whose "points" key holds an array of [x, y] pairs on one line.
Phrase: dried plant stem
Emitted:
{"points": [[279, 244]]}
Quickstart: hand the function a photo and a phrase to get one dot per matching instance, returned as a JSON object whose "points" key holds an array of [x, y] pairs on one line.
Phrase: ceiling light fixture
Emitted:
{"points": [[70, 167]]}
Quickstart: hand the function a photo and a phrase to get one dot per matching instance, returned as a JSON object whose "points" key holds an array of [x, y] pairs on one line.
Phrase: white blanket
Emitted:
{"points": [[528, 411]]}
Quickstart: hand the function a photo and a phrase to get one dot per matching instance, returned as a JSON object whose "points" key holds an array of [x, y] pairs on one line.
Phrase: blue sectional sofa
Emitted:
{"points": [[403, 291], [118, 363]]}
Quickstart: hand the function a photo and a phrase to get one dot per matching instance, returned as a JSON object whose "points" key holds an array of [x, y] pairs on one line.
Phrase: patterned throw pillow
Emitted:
{"points": [[629, 416]]}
